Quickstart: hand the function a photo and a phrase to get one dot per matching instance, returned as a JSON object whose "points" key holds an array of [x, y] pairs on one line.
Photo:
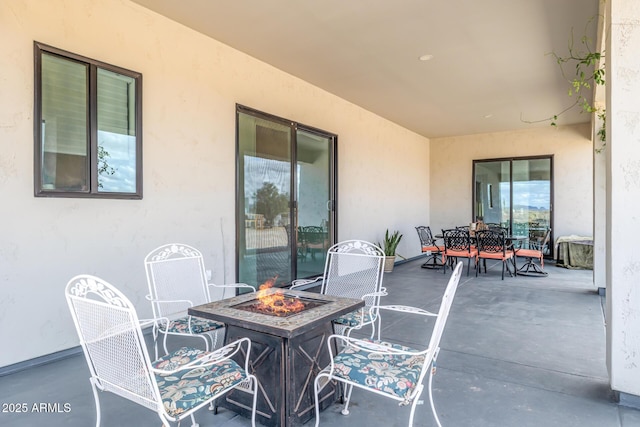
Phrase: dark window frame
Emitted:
{"points": [[92, 123]]}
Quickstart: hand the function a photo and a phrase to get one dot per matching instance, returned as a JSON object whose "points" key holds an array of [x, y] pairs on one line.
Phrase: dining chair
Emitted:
{"points": [[177, 280], [457, 244], [390, 369], [316, 240], [174, 386], [493, 244], [536, 250], [429, 244], [353, 269]]}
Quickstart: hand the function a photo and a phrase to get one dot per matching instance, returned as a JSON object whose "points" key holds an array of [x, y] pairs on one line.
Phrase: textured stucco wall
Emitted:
{"points": [[623, 189], [452, 169], [191, 84]]}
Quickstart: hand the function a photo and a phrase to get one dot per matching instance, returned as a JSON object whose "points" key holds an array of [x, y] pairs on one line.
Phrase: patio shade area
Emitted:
{"points": [[526, 351]]}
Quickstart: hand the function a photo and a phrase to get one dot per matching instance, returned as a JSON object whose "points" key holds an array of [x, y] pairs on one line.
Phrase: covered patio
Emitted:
{"points": [[526, 351]]}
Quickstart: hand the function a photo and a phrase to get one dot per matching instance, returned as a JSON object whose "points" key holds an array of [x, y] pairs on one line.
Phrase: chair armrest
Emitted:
{"points": [[381, 293], [302, 282], [169, 301], [407, 309], [148, 322], [375, 347], [213, 357], [233, 285]]}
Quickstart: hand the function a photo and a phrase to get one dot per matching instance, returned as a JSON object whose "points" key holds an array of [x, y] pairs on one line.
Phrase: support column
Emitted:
{"points": [[623, 199]]}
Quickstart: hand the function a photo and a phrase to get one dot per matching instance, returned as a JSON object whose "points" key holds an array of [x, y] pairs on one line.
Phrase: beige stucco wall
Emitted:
{"points": [[190, 87], [623, 188], [452, 168]]}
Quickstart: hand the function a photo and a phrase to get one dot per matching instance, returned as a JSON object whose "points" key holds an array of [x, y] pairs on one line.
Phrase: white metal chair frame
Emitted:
{"points": [[353, 269], [177, 280], [379, 349], [114, 347]]}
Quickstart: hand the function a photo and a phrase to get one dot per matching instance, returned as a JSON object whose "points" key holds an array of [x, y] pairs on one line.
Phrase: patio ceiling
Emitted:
{"points": [[491, 68]]}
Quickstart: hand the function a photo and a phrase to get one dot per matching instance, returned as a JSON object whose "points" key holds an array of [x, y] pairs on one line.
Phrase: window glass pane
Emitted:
{"points": [[265, 191], [532, 196], [493, 200], [116, 132], [64, 124]]}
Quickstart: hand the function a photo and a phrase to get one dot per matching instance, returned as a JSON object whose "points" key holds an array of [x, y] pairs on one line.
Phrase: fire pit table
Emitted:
{"points": [[288, 349]]}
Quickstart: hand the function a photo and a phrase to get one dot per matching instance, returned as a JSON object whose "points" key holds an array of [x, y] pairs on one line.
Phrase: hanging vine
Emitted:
{"points": [[588, 65]]}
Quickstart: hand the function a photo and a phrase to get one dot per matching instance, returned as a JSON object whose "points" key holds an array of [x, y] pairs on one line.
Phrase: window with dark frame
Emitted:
{"points": [[88, 127]]}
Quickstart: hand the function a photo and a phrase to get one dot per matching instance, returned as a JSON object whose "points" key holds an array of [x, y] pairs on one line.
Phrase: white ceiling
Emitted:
{"points": [[491, 68]]}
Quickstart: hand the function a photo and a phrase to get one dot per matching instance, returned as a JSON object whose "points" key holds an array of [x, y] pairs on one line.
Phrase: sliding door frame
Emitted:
{"points": [[511, 160], [293, 201]]}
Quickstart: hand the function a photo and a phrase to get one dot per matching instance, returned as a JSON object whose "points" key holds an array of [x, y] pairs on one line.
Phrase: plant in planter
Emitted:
{"points": [[389, 246]]}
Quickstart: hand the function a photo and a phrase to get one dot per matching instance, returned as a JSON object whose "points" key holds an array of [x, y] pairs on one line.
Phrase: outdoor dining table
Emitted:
{"points": [[286, 353]]}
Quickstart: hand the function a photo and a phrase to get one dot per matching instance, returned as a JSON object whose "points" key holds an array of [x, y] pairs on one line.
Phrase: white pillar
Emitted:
{"points": [[623, 199]]}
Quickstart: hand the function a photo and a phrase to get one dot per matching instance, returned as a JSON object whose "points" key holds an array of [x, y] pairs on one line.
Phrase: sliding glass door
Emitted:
{"points": [[285, 198], [515, 193]]}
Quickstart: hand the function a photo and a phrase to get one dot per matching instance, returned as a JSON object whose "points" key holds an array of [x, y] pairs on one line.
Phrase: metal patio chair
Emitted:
{"points": [[174, 386], [353, 269], [537, 249], [457, 244], [385, 368], [177, 280], [493, 244], [429, 244]]}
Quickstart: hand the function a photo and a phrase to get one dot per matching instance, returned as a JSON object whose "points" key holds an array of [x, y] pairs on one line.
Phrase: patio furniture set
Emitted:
{"points": [[286, 354], [491, 242]]}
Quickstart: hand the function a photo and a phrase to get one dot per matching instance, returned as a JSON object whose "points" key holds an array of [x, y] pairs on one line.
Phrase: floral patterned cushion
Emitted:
{"points": [[394, 374], [187, 389], [198, 325], [355, 318]]}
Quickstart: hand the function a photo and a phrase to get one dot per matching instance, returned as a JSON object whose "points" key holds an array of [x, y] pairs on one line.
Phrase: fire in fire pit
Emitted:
{"points": [[277, 302]]}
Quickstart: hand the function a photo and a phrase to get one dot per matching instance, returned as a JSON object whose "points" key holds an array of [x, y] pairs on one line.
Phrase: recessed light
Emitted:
{"points": [[426, 57], [488, 116]]}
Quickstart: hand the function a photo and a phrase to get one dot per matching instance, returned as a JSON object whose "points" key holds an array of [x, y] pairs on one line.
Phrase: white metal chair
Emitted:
{"points": [[177, 280], [388, 369], [353, 269], [174, 386]]}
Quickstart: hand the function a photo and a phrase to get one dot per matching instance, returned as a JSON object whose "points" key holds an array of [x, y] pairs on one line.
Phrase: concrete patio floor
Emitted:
{"points": [[526, 351]]}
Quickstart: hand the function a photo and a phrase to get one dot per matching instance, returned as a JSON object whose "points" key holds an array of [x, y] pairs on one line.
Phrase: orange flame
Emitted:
{"points": [[276, 302]]}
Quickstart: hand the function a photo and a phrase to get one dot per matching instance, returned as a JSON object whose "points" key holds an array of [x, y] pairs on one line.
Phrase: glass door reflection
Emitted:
{"points": [[314, 219]]}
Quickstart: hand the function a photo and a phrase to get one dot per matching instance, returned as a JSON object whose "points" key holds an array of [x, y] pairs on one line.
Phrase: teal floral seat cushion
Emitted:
{"points": [[187, 389], [354, 318], [396, 374], [198, 325]]}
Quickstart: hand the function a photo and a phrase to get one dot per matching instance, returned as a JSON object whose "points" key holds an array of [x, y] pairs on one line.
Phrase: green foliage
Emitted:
{"points": [[270, 202], [390, 242], [589, 71]]}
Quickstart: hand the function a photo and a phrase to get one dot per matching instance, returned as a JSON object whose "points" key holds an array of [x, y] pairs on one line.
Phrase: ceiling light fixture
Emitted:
{"points": [[426, 57]]}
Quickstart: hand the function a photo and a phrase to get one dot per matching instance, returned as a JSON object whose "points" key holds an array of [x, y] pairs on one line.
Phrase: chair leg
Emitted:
{"points": [[433, 407], [345, 410], [97, 400], [254, 381]]}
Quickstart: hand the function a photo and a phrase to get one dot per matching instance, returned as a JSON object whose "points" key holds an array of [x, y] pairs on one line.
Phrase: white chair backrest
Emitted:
{"points": [[176, 272], [111, 339], [443, 314], [353, 268]]}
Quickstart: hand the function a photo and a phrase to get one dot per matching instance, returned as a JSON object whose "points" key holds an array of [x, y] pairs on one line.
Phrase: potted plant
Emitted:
{"points": [[389, 246]]}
